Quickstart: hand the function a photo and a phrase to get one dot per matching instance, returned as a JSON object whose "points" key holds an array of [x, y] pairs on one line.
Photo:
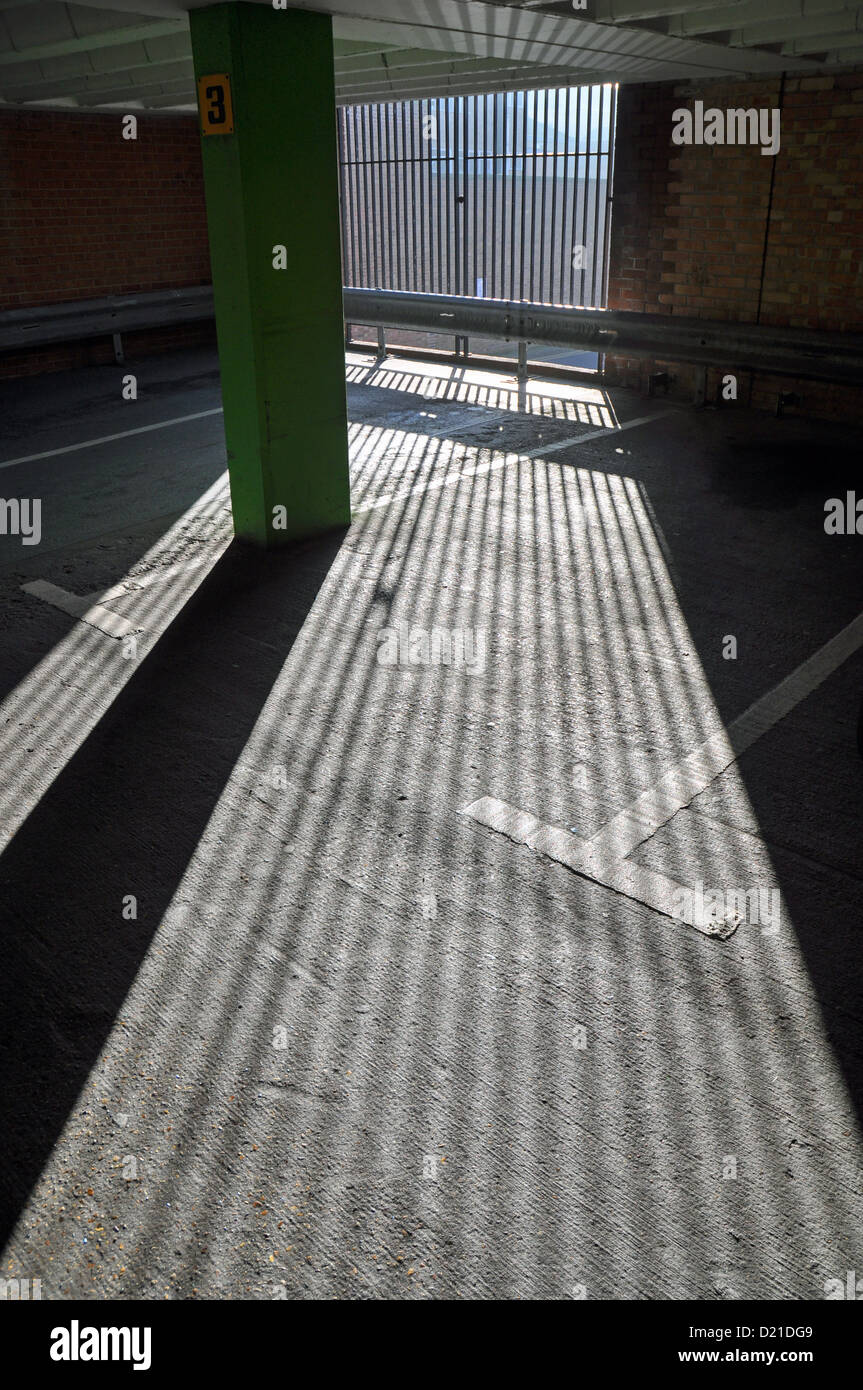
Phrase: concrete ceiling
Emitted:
{"points": [[135, 54]]}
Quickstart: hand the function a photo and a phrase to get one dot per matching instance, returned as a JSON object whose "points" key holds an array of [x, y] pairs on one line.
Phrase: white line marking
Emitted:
{"points": [[597, 434], [604, 856], [644, 885], [679, 786], [109, 438], [82, 608], [435, 483], [471, 415], [217, 410], [77, 685], [471, 472]]}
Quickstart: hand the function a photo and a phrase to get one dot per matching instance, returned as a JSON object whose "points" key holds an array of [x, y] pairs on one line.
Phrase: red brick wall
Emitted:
{"points": [[690, 223], [85, 213]]}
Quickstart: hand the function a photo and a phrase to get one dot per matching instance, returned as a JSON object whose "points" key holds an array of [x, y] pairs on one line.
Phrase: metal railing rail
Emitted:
{"points": [[98, 318], [788, 352]]}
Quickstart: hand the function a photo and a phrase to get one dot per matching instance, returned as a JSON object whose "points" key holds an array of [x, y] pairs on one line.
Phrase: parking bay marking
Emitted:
{"points": [[92, 609], [604, 857], [501, 460], [94, 614]]}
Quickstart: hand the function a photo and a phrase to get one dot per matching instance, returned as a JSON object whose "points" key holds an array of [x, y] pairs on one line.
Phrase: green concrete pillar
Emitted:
{"points": [[266, 100]]}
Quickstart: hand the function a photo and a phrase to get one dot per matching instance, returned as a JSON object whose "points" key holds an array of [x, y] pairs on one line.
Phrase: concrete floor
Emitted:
{"points": [[356, 1043]]}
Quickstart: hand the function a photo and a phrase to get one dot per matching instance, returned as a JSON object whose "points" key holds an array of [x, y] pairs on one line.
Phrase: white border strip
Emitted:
{"points": [[678, 787], [631, 880], [434, 484], [95, 614], [109, 438], [603, 857]]}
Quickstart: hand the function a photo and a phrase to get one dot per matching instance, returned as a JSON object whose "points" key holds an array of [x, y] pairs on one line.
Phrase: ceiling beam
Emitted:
{"points": [[726, 16], [492, 31], [409, 81], [848, 55], [397, 60], [91, 87], [60, 70], [825, 43], [183, 88], [601, 49], [153, 29], [425, 47], [629, 11], [155, 9], [783, 31]]}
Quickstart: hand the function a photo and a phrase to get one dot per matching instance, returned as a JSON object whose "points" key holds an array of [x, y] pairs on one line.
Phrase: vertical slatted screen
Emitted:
{"points": [[502, 195]]}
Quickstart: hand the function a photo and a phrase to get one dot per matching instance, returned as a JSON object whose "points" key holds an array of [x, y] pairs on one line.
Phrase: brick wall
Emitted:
{"points": [[691, 223], [85, 213]]}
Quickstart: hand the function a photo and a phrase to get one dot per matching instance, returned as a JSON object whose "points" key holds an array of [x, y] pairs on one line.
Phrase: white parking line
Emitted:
{"points": [[502, 460], [109, 438], [683, 783], [603, 857], [217, 410], [94, 614], [631, 880]]}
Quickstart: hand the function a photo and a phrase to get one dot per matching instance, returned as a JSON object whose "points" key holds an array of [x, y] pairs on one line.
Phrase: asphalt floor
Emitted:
{"points": [[283, 1019]]}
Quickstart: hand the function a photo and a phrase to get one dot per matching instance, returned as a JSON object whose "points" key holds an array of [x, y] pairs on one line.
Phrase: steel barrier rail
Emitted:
{"points": [[790, 352], [98, 318], [787, 352]]}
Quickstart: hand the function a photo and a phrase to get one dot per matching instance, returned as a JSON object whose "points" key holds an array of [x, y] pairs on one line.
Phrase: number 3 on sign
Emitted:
{"points": [[214, 104]]}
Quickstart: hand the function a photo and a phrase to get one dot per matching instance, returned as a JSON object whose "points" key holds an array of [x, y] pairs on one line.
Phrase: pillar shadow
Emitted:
{"points": [[124, 817]]}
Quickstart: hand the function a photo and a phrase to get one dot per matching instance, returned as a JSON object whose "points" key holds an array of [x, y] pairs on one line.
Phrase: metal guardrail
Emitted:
{"points": [[788, 352], [98, 318]]}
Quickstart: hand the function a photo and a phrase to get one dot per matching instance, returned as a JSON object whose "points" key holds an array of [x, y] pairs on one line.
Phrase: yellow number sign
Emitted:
{"points": [[214, 104]]}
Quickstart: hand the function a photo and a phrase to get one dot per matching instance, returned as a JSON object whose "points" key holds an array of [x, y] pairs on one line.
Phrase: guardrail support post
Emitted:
{"points": [[267, 113], [785, 398], [657, 379]]}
